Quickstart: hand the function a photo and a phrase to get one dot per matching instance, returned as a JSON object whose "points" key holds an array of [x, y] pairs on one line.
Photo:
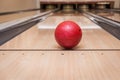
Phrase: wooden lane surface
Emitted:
{"points": [[113, 16], [60, 65], [63, 65], [5, 18], [52, 21], [35, 38]]}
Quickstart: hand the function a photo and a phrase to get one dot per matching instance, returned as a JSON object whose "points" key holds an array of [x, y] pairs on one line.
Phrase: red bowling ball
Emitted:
{"points": [[68, 34]]}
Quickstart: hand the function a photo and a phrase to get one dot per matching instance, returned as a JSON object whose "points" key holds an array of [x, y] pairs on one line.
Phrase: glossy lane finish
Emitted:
{"points": [[95, 58]]}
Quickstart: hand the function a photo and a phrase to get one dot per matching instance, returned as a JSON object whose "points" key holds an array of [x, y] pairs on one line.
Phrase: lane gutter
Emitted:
{"points": [[9, 30], [111, 26]]}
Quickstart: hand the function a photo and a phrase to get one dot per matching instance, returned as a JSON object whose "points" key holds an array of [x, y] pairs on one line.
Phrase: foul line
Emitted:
{"points": [[59, 50]]}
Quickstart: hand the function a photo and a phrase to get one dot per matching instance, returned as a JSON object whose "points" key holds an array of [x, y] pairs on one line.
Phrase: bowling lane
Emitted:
{"points": [[17, 16], [34, 54], [41, 36], [56, 65], [53, 21], [43, 39], [115, 17], [110, 15]]}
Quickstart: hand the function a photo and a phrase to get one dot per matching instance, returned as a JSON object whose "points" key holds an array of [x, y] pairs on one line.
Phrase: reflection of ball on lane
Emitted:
{"points": [[68, 34]]}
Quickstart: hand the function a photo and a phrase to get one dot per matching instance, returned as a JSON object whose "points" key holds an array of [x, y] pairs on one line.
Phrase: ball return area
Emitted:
{"points": [[28, 52]]}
